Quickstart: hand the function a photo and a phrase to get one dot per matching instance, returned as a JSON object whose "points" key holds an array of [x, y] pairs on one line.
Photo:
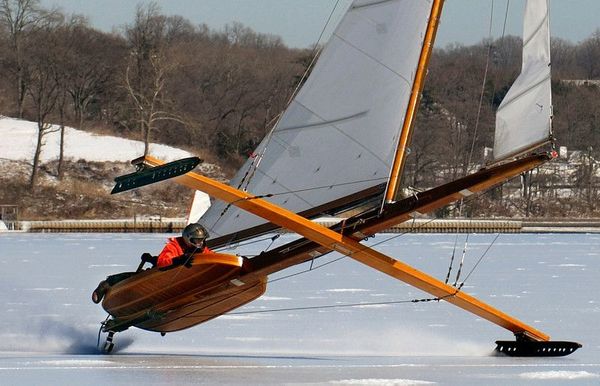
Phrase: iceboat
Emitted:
{"points": [[341, 145]]}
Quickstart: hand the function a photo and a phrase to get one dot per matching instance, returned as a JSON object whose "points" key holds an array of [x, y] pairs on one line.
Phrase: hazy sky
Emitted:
{"points": [[299, 22]]}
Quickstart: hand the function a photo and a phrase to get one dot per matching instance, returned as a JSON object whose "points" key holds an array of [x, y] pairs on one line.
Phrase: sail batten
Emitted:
{"points": [[342, 126], [527, 124], [324, 123]]}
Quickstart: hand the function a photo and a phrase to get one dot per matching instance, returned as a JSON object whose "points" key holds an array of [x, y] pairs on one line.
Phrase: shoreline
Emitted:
{"points": [[175, 225]]}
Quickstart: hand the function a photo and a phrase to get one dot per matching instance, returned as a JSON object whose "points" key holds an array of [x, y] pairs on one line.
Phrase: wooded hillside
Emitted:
{"points": [[216, 93]]}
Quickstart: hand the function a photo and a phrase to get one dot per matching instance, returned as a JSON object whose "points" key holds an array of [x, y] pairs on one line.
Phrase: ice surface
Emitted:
{"points": [[49, 326]]}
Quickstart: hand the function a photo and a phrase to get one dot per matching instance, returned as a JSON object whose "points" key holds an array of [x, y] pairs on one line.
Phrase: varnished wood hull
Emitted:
{"points": [[181, 297]]}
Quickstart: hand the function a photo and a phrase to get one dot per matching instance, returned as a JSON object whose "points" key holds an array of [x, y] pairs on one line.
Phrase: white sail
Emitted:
{"points": [[338, 135], [523, 120]]}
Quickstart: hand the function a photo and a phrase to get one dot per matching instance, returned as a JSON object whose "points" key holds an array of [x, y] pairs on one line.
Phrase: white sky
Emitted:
{"points": [[299, 22]]}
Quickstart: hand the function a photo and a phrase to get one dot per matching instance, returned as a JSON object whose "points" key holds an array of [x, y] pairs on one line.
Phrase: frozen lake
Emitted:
{"points": [[49, 325]]}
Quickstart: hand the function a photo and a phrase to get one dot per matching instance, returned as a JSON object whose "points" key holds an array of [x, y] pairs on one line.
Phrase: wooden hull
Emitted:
{"points": [[181, 297]]}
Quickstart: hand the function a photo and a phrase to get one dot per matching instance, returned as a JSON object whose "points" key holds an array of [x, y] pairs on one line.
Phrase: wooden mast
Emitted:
{"points": [[413, 103]]}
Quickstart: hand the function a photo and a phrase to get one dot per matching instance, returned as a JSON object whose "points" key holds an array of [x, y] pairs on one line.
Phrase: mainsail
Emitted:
{"points": [[338, 135], [523, 120]]}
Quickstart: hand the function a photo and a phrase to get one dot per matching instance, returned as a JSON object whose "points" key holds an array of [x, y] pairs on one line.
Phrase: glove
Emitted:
{"points": [[148, 258], [189, 261], [185, 259]]}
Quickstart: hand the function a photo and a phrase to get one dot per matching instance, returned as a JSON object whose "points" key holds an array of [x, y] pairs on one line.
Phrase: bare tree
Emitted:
{"points": [[589, 55], [94, 59], [149, 102], [20, 17], [65, 42], [42, 88], [148, 69]]}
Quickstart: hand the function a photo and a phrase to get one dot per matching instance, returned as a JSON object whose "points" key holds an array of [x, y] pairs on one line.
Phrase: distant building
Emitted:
{"points": [[581, 82]]}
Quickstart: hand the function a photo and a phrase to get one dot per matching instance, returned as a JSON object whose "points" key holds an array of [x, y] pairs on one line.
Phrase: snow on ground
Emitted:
{"points": [[19, 139]]}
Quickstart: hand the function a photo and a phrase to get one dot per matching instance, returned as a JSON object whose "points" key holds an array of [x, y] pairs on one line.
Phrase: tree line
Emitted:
{"points": [[216, 93], [160, 79], [457, 119]]}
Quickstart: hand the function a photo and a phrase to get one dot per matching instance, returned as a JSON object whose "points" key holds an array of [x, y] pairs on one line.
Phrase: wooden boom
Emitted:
{"points": [[352, 248]]}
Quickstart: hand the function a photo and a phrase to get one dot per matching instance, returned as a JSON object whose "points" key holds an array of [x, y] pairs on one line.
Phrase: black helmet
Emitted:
{"points": [[195, 234]]}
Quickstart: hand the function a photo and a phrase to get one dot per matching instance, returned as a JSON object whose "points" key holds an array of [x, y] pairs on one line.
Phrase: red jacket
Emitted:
{"points": [[175, 248]]}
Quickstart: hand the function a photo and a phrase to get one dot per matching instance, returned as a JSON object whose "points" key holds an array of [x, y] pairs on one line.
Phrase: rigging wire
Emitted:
{"points": [[485, 74], [347, 305], [366, 304], [477, 121], [345, 256], [269, 195], [431, 299], [479, 261], [315, 54], [257, 158], [452, 258], [501, 45], [462, 261], [423, 300], [413, 227], [249, 242]]}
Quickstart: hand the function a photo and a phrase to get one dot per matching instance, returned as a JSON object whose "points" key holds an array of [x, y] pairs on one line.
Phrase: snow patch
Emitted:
{"points": [[559, 374], [372, 306], [46, 289], [244, 339], [238, 317], [271, 298], [76, 362], [19, 140], [376, 381]]}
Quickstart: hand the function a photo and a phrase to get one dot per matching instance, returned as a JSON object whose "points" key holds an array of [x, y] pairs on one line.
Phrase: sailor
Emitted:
{"points": [[178, 251], [181, 250]]}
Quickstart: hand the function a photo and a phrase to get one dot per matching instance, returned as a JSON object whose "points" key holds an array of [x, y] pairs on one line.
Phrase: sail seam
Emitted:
{"points": [[408, 82], [289, 191], [295, 192], [527, 90], [377, 2], [537, 29]]}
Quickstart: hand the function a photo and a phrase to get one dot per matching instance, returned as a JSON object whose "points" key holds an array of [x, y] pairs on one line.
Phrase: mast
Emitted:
{"points": [[415, 97]]}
